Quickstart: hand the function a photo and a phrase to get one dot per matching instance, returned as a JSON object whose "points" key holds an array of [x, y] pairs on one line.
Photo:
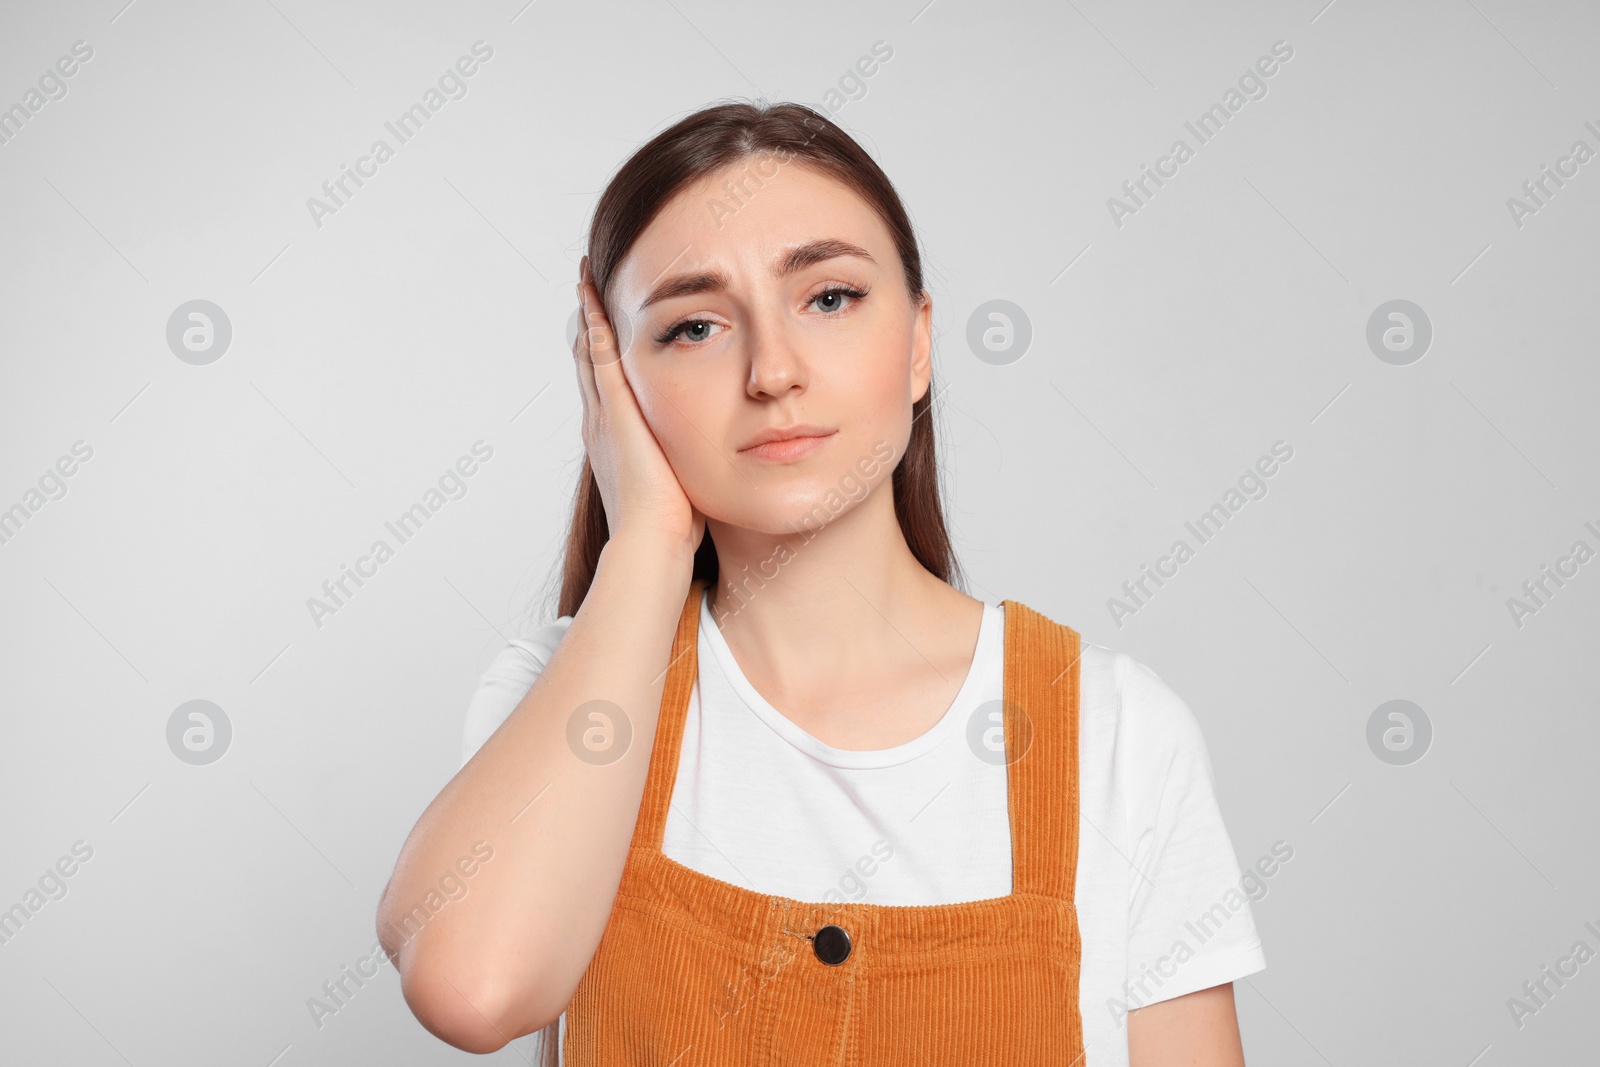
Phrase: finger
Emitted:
{"points": [[620, 328], [601, 339], [580, 353], [612, 389], [611, 385]]}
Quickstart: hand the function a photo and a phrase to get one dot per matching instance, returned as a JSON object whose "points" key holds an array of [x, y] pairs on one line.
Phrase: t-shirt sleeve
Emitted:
{"points": [[1189, 921], [507, 680]]}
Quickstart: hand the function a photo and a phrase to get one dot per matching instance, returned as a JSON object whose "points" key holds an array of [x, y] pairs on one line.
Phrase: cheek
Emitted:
{"points": [[677, 412], [878, 378], [888, 382]]}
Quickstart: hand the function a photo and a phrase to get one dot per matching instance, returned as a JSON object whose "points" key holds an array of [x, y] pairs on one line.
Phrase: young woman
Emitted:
{"points": [[771, 789]]}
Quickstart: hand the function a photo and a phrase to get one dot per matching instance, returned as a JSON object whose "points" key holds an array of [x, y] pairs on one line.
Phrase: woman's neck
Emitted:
{"points": [[843, 629]]}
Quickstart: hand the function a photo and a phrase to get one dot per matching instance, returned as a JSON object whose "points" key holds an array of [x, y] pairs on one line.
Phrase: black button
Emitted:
{"points": [[831, 944]]}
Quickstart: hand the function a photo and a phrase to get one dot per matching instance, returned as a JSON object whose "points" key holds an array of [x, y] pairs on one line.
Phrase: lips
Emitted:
{"points": [[785, 433]]}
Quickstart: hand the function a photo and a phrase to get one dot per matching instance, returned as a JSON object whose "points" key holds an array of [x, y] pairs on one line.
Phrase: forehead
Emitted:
{"points": [[741, 218]]}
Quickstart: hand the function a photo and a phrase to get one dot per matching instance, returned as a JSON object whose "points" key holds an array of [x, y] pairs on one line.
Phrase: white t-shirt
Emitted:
{"points": [[761, 803]]}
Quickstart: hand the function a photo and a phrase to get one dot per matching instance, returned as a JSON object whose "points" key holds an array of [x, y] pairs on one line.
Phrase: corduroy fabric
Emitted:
{"points": [[693, 971]]}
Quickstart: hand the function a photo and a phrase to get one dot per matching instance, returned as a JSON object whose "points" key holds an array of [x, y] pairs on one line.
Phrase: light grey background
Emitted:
{"points": [[1167, 355]]}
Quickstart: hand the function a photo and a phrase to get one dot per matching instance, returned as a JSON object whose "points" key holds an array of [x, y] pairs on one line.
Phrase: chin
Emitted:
{"points": [[800, 512], [810, 515]]}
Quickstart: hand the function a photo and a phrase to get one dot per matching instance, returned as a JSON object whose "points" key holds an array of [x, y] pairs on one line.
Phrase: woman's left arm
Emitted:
{"points": [[1198, 1029]]}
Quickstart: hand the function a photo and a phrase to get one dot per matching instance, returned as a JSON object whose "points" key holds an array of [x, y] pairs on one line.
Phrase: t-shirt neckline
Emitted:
{"points": [[990, 632]]}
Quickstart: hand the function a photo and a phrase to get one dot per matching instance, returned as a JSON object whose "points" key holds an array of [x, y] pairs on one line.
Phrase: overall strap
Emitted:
{"points": [[1040, 709], [682, 670]]}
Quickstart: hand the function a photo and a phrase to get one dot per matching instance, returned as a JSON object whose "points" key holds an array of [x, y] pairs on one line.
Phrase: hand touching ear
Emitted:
{"points": [[641, 492]]}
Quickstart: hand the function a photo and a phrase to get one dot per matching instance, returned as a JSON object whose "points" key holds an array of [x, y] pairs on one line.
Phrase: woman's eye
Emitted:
{"points": [[833, 299], [692, 330]]}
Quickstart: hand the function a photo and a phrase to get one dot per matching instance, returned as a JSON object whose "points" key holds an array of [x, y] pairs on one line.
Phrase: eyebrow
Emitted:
{"points": [[796, 259]]}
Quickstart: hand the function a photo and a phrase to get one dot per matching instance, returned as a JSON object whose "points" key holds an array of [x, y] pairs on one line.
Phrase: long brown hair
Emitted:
{"points": [[702, 144]]}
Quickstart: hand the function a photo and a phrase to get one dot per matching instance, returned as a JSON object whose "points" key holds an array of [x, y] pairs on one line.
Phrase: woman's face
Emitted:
{"points": [[737, 318]]}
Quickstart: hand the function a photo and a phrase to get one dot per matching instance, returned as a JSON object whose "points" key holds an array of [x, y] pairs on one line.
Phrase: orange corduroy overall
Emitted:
{"points": [[693, 971]]}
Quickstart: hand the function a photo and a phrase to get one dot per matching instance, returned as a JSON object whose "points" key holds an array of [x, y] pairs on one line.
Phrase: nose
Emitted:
{"points": [[776, 363]]}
